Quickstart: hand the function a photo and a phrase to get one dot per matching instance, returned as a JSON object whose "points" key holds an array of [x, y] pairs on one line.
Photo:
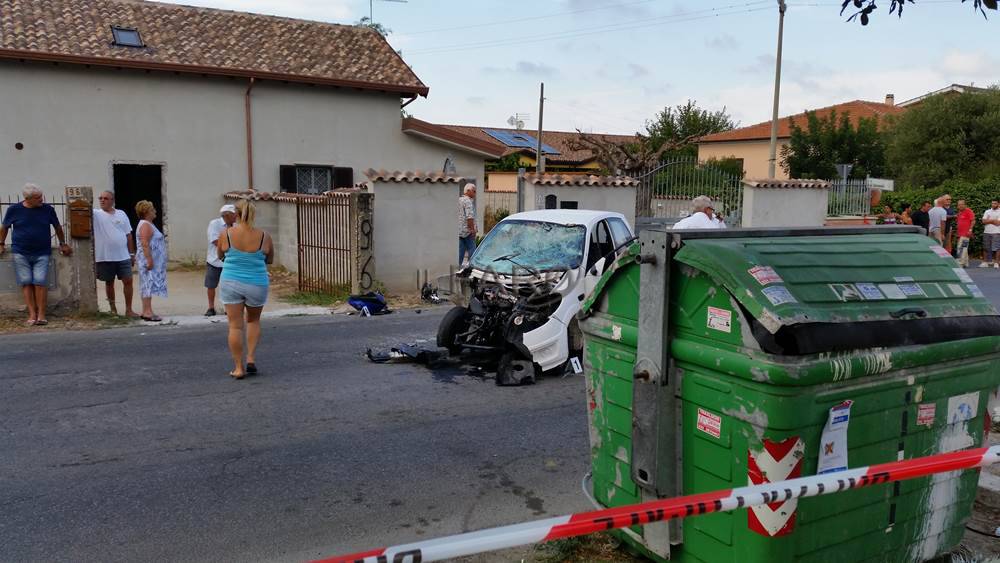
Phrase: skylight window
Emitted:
{"points": [[126, 36]]}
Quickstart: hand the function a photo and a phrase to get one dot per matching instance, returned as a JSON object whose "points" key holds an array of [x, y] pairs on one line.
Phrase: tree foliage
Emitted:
{"points": [[814, 152], [670, 133], [946, 137], [863, 9], [379, 28]]}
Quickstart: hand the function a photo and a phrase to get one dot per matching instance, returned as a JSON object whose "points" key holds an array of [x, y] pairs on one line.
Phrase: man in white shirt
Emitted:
{"points": [[213, 266], [702, 216], [991, 236], [114, 250], [939, 215]]}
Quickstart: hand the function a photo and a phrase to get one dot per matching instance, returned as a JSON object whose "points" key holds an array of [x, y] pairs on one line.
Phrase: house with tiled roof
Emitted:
{"points": [[752, 144], [179, 104]]}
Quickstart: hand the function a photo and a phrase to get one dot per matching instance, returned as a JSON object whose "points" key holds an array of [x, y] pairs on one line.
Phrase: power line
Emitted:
{"points": [[531, 18], [648, 22]]}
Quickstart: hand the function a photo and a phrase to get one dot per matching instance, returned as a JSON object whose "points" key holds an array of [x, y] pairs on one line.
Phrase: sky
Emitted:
{"points": [[610, 65]]}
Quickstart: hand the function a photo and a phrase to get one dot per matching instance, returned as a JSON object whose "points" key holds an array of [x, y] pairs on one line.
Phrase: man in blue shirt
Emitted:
{"points": [[31, 220]]}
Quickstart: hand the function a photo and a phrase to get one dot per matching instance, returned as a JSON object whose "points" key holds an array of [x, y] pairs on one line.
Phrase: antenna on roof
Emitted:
{"points": [[518, 120]]}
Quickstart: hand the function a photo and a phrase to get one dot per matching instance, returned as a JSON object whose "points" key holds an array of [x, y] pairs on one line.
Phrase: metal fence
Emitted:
{"points": [[849, 198], [495, 205], [666, 190], [59, 203], [325, 228]]}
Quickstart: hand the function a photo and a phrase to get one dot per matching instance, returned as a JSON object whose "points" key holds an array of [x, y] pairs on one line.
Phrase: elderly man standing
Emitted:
{"points": [[466, 223], [213, 265], [702, 216], [938, 218], [32, 248], [114, 251]]}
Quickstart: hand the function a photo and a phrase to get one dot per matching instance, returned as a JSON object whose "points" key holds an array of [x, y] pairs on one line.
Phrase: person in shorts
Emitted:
{"points": [[965, 220], [991, 235], [33, 221], [213, 264], [114, 251]]}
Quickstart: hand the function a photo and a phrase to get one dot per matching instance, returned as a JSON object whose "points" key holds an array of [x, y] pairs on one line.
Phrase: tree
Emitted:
{"points": [[670, 133], [815, 151], [379, 28], [947, 137], [865, 8]]}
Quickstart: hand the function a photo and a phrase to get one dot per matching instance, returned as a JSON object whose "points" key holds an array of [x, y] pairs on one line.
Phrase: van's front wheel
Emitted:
{"points": [[455, 322]]}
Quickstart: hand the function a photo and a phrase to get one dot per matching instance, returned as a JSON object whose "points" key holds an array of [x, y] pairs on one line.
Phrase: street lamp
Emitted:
{"points": [[777, 87]]}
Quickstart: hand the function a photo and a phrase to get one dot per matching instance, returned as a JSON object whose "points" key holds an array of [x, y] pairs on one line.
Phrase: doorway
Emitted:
{"points": [[136, 182]]}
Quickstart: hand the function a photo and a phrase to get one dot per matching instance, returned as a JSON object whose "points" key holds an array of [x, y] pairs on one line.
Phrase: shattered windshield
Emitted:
{"points": [[522, 246]]}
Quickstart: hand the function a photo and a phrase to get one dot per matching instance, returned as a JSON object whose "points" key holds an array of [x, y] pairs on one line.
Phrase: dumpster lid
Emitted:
{"points": [[831, 278]]}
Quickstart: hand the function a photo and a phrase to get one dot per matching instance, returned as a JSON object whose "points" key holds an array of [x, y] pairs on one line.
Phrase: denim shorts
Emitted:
{"points": [[212, 275], [31, 270], [232, 292]]}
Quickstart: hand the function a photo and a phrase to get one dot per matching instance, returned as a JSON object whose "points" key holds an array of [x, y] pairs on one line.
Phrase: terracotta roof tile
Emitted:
{"points": [[581, 180], [418, 177], [786, 184], [857, 109], [559, 140], [203, 40]]}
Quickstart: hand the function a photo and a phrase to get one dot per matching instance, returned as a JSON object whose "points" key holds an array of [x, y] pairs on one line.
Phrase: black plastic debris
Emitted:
{"points": [[406, 354], [429, 293]]}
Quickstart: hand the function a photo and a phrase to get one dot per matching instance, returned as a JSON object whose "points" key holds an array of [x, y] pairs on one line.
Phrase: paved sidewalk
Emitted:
{"points": [[187, 302]]}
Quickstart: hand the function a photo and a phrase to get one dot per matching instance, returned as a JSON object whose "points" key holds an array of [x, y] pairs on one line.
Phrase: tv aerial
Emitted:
{"points": [[518, 120]]}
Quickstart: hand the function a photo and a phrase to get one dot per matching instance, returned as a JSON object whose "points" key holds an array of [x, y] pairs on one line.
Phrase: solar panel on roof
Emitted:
{"points": [[518, 140]]}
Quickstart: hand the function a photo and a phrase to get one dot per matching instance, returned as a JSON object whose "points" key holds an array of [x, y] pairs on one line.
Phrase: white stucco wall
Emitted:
{"points": [[617, 199], [416, 229], [76, 122], [784, 207]]}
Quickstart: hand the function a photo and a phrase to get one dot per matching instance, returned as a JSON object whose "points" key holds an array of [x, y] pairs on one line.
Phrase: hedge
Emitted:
{"points": [[977, 196]]}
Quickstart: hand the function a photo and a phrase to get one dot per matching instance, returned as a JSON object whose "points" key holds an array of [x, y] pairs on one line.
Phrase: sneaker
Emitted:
{"points": [[210, 313], [984, 264]]}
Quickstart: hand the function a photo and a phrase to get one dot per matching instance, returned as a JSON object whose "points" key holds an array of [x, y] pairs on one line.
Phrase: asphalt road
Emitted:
{"points": [[134, 444]]}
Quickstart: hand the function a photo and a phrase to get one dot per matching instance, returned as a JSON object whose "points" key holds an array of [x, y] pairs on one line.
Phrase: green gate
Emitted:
{"points": [[666, 191]]}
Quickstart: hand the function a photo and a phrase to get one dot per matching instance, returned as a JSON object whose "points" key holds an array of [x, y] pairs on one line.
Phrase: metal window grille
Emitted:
{"points": [[313, 179]]}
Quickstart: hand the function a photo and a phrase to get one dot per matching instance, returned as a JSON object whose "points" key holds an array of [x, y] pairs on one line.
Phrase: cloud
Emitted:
{"points": [[476, 100], [604, 9], [525, 68], [724, 42], [637, 71]]}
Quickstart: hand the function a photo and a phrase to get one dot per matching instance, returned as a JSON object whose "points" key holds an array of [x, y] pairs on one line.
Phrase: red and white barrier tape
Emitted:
{"points": [[679, 507]]}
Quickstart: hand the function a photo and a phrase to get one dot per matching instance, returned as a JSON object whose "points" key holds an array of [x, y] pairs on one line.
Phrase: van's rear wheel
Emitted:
{"points": [[455, 322]]}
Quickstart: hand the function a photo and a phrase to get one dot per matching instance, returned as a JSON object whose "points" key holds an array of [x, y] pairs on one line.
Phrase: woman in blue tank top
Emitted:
{"points": [[245, 252]]}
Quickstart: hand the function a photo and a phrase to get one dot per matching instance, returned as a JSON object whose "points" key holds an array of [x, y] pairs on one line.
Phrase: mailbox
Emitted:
{"points": [[81, 211]]}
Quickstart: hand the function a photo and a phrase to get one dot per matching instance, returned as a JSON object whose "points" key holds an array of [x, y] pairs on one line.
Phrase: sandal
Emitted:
{"points": [[41, 322], [252, 368], [30, 322], [237, 375], [153, 319]]}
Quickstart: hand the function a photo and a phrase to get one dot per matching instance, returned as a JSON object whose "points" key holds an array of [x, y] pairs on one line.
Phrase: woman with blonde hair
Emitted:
{"points": [[151, 259], [245, 251]]}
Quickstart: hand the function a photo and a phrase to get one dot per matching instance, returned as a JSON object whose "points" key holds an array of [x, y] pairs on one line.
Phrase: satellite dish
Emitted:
{"points": [[512, 121]]}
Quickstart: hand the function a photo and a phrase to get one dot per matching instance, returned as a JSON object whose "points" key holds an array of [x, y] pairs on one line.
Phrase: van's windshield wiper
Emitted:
{"points": [[510, 258]]}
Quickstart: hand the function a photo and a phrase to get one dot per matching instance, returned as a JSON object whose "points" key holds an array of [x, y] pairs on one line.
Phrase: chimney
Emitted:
{"points": [[890, 100]]}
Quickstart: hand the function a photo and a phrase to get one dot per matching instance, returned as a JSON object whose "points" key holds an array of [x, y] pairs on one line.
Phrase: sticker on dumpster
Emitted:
{"points": [[963, 407], [956, 290], [926, 413], [891, 291], [709, 423], [902, 279], [765, 275], [846, 291], [912, 290], [720, 319], [940, 251], [616, 333], [777, 461], [833, 442], [869, 291], [962, 275], [778, 295], [974, 290]]}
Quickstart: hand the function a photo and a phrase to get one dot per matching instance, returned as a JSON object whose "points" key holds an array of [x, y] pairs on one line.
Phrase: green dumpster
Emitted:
{"points": [[726, 358]]}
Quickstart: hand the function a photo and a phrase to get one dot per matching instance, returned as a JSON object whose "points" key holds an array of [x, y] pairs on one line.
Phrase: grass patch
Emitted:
{"points": [[105, 319], [323, 299], [593, 547], [192, 263]]}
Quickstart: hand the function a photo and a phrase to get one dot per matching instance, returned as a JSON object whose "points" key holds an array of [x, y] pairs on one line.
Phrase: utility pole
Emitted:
{"points": [[539, 157], [777, 88]]}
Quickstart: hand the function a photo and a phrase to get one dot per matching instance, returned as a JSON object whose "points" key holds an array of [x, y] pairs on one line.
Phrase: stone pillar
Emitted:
{"points": [[784, 203], [80, 236], [362, 242]]}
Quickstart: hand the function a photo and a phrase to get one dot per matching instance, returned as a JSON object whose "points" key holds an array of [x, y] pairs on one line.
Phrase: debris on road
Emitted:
{"points": [[406, 353], [369, 304]]}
